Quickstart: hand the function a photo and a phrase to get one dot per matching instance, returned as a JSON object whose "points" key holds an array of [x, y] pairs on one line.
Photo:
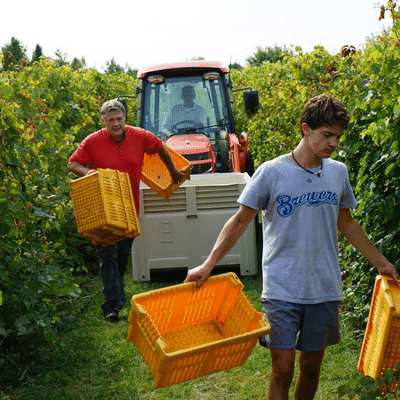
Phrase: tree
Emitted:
{"points": [[198, 58], [268, 55], [131, 71], [235, 65], [37, 53], [61, 58], [113, 68], [13, 53], [78, 63]]}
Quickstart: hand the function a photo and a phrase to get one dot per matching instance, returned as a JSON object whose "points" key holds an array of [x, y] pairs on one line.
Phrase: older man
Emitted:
{"points": [[122, 148]]}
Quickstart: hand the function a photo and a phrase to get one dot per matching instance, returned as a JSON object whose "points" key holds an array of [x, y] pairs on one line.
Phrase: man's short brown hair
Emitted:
{"points": [[324, 110]]}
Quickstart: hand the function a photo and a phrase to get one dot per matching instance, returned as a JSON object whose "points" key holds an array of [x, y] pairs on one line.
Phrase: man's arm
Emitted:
{"points": [[175, 173], [228, 237], [353, 232], [80, 169]]}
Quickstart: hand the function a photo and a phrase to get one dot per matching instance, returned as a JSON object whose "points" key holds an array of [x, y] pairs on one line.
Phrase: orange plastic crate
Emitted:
{"points": [[183, 333], [381, 345], [104, 206], [156, 175]]}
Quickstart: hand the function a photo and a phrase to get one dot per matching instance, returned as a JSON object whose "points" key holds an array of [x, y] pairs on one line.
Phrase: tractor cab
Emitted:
{"points": [[189, 106]]}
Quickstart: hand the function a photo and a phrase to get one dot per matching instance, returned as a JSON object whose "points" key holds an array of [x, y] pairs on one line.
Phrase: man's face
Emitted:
{"points": [[324, 140], [188, 96], [114, 121]]}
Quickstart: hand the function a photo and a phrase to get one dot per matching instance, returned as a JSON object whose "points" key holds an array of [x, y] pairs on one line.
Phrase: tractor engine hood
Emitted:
{"points": [[195, 143], [196, 148]]}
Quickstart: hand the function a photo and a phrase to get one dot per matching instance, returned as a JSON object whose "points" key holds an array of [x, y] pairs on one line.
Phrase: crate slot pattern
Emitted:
{"points": [[206, 199], [381, 345], [226, 195], [156, 175], [88, 204], [392, 353], [154, 204], [113, 201], [104, 206], [184, 333]]}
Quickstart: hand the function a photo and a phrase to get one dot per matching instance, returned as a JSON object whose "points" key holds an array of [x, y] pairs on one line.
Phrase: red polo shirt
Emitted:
{"points": [[98, 150]]}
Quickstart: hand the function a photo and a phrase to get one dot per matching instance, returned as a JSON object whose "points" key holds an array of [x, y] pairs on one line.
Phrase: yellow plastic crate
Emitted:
{"points": [[104, 206], [183, 333], [381, 345], [156, 175]]}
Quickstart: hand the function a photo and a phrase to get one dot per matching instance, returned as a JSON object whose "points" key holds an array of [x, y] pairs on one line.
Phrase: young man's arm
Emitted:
{"points": [[353, 232], [228, 237], [175, 173]]}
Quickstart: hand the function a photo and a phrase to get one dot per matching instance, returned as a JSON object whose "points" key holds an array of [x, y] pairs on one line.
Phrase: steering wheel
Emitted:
{"points": [[175, 129]]}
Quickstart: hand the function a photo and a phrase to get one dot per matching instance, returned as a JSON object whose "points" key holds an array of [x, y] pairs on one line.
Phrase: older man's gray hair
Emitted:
{"points": [[112, 105]]}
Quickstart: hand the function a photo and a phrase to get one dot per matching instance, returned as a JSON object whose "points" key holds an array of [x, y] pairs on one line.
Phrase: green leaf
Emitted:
{"points": [[389, 168], [367, 380], [7, 91]]}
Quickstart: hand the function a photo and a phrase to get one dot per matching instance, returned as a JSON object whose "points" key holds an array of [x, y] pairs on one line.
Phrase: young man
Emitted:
{"points": [[118, 147], [303, 196]]}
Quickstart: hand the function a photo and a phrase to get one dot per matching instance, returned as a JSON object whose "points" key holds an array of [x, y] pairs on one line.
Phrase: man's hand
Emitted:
{"points": [[91, 171], [177, 175], [199, 274]]}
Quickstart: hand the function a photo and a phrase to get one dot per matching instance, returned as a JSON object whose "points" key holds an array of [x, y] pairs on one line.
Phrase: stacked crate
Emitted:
{"points": [[104, 207], [103, 202]]}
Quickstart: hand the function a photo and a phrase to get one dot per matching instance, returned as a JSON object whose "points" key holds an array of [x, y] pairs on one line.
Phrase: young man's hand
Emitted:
{"points": [[199, 274], [389, 270]]}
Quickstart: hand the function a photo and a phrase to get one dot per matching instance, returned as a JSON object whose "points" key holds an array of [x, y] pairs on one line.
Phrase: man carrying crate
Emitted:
{"points": [[303, 196], [121, 148]]}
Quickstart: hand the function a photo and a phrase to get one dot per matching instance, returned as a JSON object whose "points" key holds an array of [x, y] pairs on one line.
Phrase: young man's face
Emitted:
{"points": [[114, 121], [324, 140]]}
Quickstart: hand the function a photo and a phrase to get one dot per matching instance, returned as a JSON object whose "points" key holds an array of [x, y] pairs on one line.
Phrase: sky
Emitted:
{"points": [[137, 34]]}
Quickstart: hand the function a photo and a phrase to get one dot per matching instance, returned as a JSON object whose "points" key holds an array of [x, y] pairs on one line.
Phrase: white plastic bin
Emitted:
{"points": [[181, 232]]}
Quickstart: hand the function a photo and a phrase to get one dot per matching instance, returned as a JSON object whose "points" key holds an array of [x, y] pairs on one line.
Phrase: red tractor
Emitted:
{"points": [[189, 106]]}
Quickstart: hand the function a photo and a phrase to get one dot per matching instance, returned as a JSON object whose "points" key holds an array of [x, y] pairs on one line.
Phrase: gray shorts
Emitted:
{"points": [[305, 327]]}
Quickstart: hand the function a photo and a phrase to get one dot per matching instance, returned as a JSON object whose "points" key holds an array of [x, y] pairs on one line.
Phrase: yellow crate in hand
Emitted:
{"points": [[156, 175], [184, 333], [104, 206]]}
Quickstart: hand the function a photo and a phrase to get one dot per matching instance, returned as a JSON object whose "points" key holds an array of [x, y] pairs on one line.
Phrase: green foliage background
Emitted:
{"points": [[367, 82], [46, 110]]}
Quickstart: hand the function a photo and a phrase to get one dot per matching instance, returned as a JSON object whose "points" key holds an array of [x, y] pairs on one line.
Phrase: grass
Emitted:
{"points": [[98, 363]]}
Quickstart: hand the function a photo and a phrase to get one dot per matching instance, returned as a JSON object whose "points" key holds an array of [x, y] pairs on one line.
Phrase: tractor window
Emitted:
{"points": [[186, 104]]}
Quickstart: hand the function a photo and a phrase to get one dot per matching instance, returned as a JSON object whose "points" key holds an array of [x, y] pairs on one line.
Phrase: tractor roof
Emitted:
{"points": [[186, 65]]}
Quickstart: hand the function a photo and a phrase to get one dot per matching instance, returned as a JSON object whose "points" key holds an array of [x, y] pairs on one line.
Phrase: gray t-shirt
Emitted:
{"points": [[299, 217]]}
